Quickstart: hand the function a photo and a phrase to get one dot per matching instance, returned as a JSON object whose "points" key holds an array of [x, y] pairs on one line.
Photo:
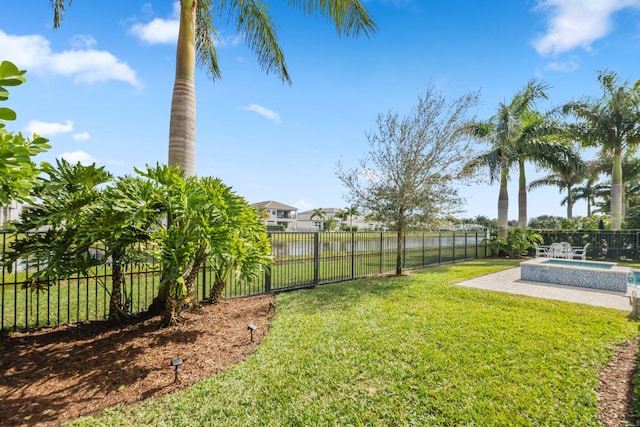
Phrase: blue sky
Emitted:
{"points": [[100, 86]]}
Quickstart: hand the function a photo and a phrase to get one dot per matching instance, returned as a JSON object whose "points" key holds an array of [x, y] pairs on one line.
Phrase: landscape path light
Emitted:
{"points": [[176, 363], [251, 327]]}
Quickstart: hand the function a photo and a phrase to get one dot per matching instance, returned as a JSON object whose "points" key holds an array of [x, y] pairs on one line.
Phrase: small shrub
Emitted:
{"points": [[520, 241]]}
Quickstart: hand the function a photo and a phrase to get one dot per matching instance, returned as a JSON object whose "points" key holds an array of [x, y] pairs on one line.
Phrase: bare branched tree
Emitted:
{"points": [[407, 175]]}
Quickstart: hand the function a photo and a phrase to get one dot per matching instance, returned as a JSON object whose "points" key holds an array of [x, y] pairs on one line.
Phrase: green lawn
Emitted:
{"points": [[407, 351]]}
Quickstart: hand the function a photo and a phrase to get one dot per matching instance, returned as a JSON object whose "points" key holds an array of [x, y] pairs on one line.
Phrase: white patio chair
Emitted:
{"points": [[566, 250], [555, 250], [580, 253], [541, 250]]}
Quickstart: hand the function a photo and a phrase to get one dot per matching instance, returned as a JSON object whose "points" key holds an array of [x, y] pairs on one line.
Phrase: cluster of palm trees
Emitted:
{"points": [[343, 215], [519, 133]]}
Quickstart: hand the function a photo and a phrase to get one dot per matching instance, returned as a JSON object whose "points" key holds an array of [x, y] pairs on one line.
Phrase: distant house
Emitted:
{"points": [[306, 223], [359, 222], [10, 212], [279, 214]]}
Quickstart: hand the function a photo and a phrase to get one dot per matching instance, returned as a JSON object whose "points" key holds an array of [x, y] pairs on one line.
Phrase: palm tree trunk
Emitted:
{"points": [[522, 197], [503, 206], [616, 190], [216, 290], [117, 311], [182, 125], [191, 302], [171, 313], [569, 201]]}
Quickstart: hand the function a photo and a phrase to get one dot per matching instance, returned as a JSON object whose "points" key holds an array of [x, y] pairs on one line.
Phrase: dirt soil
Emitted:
{"points": [[58, 374]]}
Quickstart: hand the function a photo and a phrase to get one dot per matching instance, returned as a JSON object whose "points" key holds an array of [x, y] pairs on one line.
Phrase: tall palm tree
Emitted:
{"points": [[342, 216], [566, 179], [196, 44], [509, 131], [591, 187], [262, 212], [612, 122], [350, 212], [630, 167], [318, 213], [541, 142]]}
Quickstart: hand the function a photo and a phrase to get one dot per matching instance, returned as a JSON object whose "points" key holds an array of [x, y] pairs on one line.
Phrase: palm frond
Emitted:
{"points": [[59, 8], [349, 16], [255, 25], [206, 33]]}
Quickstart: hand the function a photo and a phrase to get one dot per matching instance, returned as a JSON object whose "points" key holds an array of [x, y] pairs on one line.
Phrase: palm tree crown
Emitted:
{"points": [[612, 122], [517, 133]]}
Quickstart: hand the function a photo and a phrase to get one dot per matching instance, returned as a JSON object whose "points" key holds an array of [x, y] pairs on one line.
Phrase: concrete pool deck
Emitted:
{"points": [[509, 281]]}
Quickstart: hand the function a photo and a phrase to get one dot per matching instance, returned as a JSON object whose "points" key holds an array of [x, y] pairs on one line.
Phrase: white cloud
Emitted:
{"points": [[84, 65], [563, 66], [83, 41], [269, 114], [49, 129], [302, 205], [158, 31], [74, 157], [165, 31], [81, 136], [577, 23]]}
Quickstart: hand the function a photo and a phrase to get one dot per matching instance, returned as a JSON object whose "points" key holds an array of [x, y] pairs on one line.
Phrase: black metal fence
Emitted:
{"points": [[613, 245], [302, 260]]}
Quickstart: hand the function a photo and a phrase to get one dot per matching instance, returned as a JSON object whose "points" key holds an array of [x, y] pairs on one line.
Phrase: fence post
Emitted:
{"points": [[453, 255], [466, 235], [439, 247], [353, 255], [267, 280], [316, 258], [476, 245], [424, 258], [404, 250], [381, 250]]}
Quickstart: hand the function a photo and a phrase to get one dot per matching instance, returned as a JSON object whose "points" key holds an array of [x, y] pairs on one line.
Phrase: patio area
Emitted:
{"points": [[509, 281]]}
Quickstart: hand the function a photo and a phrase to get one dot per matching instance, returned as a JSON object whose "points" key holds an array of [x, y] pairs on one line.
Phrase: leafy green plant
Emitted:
{"points": [[18, 172], [520, 241], [496, 245]]}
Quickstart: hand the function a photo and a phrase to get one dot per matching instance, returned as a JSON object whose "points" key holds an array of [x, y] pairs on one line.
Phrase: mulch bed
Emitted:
{"points": [[58, 374]]}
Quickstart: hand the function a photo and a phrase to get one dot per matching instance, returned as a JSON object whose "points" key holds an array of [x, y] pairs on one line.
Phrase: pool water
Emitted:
{"points": [[634, 278], [590, 264]]}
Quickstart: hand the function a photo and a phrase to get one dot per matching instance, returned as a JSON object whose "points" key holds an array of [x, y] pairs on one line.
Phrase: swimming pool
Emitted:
{"points": [[585, 264], [606, 276]]}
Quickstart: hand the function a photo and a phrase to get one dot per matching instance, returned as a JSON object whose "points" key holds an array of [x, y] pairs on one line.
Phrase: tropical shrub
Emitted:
{"points": [[520, 241]]}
